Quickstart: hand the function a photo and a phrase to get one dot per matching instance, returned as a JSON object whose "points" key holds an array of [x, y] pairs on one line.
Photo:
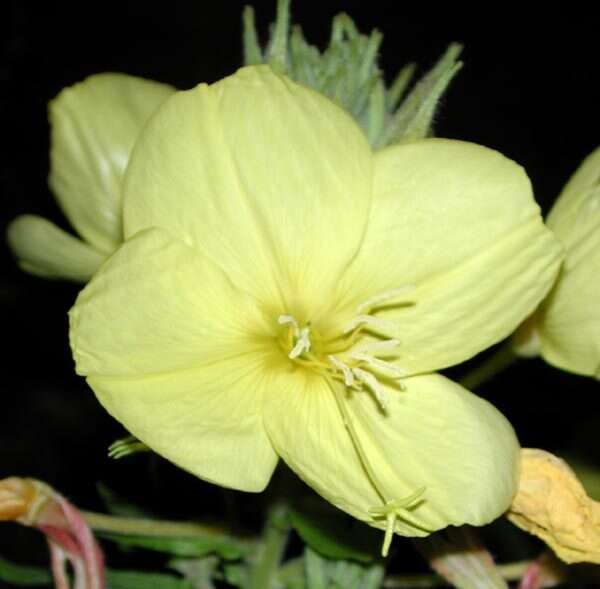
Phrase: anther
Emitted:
{"points": [[289, 320], [348, 376], [371, 381], [302, 344]]}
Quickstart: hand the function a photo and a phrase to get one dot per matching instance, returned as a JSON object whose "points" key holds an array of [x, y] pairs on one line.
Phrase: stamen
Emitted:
{"points": [[289, 320], [348, 376], [384, 297], [379, 364], [301, 336], [374, 322], [375, 386], [302, 344], [376, 347]]}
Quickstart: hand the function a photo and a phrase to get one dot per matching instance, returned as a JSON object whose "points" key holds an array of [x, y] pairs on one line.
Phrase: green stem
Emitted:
{"points": [[263, 573], [101, 522], [147, 527], [511, 571], [501, 359]]}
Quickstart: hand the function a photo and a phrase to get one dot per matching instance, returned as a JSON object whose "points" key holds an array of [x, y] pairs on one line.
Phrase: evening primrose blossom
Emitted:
{"points": [[565, 330], [284, 291], [94, 125]]}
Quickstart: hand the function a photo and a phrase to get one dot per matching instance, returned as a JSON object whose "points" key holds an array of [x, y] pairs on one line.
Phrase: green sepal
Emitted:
{"points": [[252, 51], [332, 533], [347, 71], [413, 120], [277, 51]]}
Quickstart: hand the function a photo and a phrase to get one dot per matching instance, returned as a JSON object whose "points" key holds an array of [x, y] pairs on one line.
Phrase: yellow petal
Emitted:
{"points": [[553, 505], [205, 420], [568, 322], [435, 435], [157, 306], [269, 179], [44, 249], [166, 343], [567, 210], [94, 125], [456, 221]]}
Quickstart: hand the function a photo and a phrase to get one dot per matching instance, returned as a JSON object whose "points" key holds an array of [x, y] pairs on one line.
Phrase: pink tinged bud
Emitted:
{"points": [[33, 503]]}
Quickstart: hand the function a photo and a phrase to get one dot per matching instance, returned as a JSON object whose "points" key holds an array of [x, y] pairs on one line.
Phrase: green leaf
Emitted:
{"points": [[139, 580], [192, 546], [200, 572], [291, 575], [334, 534], [322, 573], [236, 574], [18, 574]]}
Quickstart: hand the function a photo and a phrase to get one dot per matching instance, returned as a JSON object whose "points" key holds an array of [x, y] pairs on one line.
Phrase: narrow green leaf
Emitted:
{"points": [[193, 546], [23, 575], [140, 580]]}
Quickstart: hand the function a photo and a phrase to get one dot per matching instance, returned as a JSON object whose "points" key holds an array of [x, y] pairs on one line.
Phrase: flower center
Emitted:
{"points": [[359, 360], [360, 366]]}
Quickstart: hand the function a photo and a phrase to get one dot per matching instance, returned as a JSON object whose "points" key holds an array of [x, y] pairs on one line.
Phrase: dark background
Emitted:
{"points": [[529, 88]]}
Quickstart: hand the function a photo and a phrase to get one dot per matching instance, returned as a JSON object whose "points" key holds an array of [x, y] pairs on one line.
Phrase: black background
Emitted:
{"points": [[529, 88]]}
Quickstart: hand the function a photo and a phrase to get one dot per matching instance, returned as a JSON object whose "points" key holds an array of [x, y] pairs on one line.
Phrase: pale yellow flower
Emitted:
{"points": [[565, 330], [284, 291], [94, 125]]}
